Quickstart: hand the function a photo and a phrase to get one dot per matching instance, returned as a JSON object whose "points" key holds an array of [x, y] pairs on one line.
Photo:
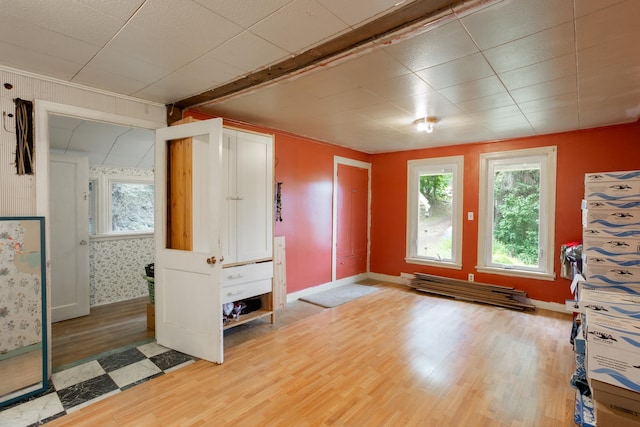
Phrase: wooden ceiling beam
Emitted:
{"points": [[404, 17]]}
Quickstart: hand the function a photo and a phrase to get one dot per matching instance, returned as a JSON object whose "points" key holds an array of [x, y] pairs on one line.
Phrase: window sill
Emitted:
{"points": [[123, 236], [442, 264], [517, 273]]}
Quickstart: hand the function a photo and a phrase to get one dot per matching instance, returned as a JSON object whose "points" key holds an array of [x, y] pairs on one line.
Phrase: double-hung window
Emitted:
{"points": [[434, 211], [121, 206], [517, 212]]}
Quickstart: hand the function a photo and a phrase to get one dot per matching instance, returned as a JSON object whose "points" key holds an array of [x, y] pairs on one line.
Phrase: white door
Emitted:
{"points": [[188, 299], [69, 233]]}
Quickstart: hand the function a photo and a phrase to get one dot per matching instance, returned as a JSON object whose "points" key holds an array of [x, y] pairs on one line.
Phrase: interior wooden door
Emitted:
{"points": [[188, 299], [69, 207], [352, 221]]}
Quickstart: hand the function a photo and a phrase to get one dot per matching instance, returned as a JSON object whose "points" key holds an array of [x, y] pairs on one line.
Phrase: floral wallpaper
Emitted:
{"points": [[116, 266], [20, 285], [116, 269]]}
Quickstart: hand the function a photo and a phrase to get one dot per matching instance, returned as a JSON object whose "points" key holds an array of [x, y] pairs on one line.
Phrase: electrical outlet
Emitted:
{"points": [[471, 278]]}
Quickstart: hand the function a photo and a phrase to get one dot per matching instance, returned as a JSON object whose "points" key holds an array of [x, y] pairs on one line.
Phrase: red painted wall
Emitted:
{"points": [[597, 150], [305, 168]]}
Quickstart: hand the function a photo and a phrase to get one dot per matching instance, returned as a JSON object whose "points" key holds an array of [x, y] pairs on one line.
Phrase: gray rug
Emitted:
{"points": [[339, 295]]}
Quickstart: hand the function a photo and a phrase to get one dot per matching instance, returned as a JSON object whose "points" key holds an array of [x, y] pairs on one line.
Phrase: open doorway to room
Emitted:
{"points": [[100, 234]]}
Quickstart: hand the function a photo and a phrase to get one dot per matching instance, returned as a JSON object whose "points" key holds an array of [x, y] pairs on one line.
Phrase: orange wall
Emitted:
{"points": [[597, 150], [305, 168]]}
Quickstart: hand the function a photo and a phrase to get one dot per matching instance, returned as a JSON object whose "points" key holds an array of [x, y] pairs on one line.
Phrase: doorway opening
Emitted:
{"points": [[118, 149]]}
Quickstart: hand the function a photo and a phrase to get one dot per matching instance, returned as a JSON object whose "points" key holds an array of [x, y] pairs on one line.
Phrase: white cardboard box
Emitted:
{"points": [[612, 186], [610, 242], [613, 365], [611, 275], [611, 218]]}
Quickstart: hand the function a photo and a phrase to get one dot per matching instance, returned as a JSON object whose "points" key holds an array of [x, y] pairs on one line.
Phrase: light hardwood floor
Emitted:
{"points": [[394, 357], [107, 327]]}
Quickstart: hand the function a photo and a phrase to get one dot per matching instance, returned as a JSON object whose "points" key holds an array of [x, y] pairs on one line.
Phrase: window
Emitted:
{"points": [[120, 206], [93, 189], [434, 212], [517, 212], [131, 206]]}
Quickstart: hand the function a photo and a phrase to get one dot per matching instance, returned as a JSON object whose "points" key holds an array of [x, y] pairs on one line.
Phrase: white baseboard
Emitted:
{"points": [[544, 305], [325, 286]]}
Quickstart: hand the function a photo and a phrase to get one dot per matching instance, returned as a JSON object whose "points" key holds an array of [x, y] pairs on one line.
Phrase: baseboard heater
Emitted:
{"points": [[502, 296]]}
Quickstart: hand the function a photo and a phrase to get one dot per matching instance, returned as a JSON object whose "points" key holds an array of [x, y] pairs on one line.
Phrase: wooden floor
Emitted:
{"points": [[394, 357], [107, 327]]}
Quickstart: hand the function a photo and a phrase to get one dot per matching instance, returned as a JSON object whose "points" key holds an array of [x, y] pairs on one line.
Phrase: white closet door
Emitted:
{"points": [[254, 231]]}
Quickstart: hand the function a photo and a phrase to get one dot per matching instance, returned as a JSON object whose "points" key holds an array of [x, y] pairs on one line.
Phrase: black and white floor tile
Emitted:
{"points": [[89, 382]]}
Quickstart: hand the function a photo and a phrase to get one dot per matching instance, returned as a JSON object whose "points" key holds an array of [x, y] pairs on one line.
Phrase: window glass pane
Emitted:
{"points": [[92, 207], [516, 215], [435, 215], [131, 206]]}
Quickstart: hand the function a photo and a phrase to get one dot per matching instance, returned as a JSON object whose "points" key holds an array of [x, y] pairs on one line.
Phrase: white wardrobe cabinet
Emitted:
{"points": [[247, 200]]}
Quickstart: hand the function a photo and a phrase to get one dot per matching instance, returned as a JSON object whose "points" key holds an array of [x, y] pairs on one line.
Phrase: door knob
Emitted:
{"points": [[83, 242], [211, 260], [221, 259]]}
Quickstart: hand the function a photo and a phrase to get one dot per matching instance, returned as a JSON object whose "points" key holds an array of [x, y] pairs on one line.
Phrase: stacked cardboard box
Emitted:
{"points": [[610, 297]]}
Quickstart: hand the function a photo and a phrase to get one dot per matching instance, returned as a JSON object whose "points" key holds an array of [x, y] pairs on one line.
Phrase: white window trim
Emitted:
{"points": [[414, 168], [548, 157], [103, 207]]}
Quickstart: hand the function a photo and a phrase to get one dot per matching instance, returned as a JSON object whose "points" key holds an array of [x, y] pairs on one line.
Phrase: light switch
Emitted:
{"points": [[470, 216]]}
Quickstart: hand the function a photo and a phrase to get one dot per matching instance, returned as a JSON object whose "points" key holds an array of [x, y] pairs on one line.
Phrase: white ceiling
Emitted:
{"points": [[487, 69]]}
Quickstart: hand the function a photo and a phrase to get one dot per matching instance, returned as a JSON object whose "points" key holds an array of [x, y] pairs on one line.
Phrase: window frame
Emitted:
{"points": [[414, 170], [103, 214], [547, 156]]}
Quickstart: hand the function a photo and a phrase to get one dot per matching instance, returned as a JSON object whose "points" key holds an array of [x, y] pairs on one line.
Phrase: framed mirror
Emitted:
{"points": [[23, 309]]}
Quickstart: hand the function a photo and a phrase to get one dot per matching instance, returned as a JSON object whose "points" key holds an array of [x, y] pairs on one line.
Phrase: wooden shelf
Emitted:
{"points": [[244, 318]]}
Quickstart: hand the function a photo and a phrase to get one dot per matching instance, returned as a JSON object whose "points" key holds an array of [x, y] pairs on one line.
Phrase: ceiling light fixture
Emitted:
{"points": [[426, 124]]}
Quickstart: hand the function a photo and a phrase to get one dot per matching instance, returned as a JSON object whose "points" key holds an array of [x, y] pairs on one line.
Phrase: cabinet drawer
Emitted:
{"points": [[245, 290], [232, 276]]}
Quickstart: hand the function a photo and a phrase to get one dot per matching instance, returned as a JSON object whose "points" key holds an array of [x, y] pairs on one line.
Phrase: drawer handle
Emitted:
{"points": [[235, 276], [230, 294]]}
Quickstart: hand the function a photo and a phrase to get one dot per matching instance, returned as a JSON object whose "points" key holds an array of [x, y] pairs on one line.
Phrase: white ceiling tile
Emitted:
{"points": [[244, 12], [508, 124], [427, 104], [119, 9], [97, 77], [585, 7], [59, 138], [45, 41], [36, 62], [468, 68], [542, 46], [84, 23], [299, 26], [374, 67], [490, 102], [248, 52], [163, 52], [118, 62], [434, 47], [540, 72], [510, 20], [382, 111], [354, 13], [352, 99], [545, 90], [398, 87], [204, 72], [473, 89], [497, 114], [551, 120], [609, 27], [203, 29], [563, 100]]}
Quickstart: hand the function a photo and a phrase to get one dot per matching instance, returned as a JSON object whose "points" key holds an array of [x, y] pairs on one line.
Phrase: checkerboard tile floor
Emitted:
{"points": [[81, 385]]}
